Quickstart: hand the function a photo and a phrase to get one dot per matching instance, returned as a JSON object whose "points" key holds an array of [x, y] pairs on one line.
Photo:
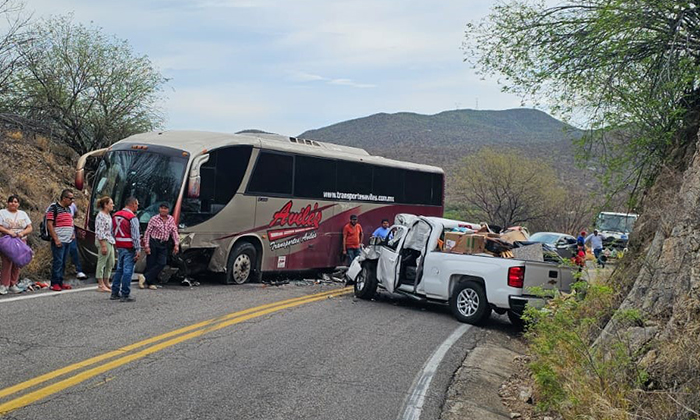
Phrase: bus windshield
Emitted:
{"points": [[616, 222], [152, 178]]}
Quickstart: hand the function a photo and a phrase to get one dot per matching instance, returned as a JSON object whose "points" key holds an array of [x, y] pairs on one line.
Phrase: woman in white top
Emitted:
{"points": [[104, 241], [16, 223]]}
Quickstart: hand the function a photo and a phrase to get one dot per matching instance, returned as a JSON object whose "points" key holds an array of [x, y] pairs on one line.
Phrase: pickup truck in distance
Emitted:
{"points": [[410, 262]]}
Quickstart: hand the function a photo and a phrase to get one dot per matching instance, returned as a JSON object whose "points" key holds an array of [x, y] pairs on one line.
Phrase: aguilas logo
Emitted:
{"points": [[305, 221]]}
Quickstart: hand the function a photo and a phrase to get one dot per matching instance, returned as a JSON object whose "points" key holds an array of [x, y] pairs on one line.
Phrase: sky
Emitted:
{"points": [[290, 66]]}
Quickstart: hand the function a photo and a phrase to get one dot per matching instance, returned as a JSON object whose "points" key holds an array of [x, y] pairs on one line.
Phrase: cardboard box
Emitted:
{"points": [[514, 235], [464, 243]]}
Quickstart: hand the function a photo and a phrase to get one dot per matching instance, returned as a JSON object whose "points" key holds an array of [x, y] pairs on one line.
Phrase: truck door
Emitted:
{"points": [[388, 266], [417, 242]]}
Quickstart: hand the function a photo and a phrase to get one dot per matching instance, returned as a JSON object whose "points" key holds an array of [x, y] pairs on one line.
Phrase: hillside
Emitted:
{"points": [[36, 169], [444, 139]]}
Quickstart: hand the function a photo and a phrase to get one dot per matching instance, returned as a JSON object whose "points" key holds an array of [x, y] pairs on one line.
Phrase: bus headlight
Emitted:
{"points": [[186, 241]]}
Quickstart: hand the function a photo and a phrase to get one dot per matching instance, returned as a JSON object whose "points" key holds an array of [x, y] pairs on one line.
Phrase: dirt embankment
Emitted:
{"points": [[36, 169]]}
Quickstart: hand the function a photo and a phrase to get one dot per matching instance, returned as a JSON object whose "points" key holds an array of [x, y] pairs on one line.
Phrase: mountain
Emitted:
{"points": [[444, 139]]}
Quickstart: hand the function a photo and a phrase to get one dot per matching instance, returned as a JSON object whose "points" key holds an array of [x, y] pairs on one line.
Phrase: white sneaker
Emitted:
{"points": [[81, 275], [3, 290], [15, 289]]}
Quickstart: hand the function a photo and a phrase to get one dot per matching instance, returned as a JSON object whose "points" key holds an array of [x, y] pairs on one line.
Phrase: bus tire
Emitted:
{"points": [[366, 282], [468, 303], [242, 263]]}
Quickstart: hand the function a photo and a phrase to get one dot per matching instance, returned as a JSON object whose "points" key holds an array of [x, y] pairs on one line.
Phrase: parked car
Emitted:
{"points": [[564, 244], [412, 263]]}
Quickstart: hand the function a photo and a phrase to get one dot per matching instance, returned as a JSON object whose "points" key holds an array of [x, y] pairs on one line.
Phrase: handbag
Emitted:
{"points": [[16, 250]]}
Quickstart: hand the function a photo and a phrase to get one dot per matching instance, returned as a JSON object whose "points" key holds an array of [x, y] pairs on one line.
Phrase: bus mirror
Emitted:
{"points": [[195, 181], [80, 167]]}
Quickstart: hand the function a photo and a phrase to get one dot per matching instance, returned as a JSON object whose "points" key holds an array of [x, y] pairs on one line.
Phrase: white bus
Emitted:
{"points": [[249, 204]]}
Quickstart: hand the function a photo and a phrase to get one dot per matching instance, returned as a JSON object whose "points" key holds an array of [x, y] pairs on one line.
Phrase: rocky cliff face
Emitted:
{"points": [[664, 286]]}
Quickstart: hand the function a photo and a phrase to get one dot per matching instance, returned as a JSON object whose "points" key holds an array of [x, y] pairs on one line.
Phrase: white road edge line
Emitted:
{"points": [[414, 403], [51, 293]]}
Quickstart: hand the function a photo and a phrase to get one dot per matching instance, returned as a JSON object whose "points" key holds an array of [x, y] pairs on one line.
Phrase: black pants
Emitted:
{"points": [[156, 261]]}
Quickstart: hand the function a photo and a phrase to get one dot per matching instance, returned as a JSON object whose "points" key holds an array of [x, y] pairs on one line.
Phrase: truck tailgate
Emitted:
{"points": [[545, 275]]}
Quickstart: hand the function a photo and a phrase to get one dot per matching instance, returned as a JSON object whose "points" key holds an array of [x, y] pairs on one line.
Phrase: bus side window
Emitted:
{"points": [[221, 177]]}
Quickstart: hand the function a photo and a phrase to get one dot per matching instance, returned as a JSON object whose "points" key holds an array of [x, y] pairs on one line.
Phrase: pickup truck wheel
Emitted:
{"points": [[468, 303], [366, 282]]}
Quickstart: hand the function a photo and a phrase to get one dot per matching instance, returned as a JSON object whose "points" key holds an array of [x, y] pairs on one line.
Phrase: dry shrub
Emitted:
{"points": [[40, 267], [43, 143], [15, 135]]}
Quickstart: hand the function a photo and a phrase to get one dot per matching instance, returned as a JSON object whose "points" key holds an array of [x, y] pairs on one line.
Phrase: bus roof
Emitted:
{"points": [[199, 142]]}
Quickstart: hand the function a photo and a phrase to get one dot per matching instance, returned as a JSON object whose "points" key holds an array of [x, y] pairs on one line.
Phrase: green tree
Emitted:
{"points": [[12, 34], [89, 88], [506, 189], [630, 67]]}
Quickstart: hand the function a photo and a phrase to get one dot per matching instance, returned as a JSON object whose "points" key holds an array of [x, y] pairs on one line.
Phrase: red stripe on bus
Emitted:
{"points": [[265, 226]]}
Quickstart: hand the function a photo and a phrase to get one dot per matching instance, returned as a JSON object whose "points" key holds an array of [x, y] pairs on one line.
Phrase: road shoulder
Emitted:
{"points": [[474, 391]]}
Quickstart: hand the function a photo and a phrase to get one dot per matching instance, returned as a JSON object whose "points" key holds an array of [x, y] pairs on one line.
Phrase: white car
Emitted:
{"points": [[410, 263]]}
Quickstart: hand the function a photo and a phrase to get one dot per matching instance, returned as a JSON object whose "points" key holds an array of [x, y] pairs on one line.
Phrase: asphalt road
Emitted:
{"points": [[324, 357]]}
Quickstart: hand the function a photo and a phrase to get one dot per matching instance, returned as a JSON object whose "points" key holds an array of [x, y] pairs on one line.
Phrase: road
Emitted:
{"points": [[297, 351]]}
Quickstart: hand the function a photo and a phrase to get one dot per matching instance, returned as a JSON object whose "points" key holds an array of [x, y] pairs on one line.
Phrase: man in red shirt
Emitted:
{"points": [[161, 228], [352, 239]]}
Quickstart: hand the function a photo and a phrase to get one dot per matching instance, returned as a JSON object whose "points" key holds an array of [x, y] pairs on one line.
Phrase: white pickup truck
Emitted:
{"points": [[410, 263]]}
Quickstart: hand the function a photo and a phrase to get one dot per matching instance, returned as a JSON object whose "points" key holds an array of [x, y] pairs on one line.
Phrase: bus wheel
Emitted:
{"points": [[241, 263]]}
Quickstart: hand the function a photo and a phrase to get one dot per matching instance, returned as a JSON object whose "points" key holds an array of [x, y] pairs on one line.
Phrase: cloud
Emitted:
{"points": [[299, 76], [348, 82]]}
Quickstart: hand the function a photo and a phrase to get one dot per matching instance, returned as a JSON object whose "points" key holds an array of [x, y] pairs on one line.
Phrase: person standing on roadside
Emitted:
{"points": [[581, 238], [104, 241], [59, 222], [352, 239], [16, 223], [127, 237], [75, 258], [161, 228], [596, 240]]}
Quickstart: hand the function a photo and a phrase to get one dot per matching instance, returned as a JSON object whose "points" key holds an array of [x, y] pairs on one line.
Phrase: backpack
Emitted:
{"points": [[44, 233]]}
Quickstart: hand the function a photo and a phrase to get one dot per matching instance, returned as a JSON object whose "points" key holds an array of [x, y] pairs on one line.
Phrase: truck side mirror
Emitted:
{"points": [[195, 179]]}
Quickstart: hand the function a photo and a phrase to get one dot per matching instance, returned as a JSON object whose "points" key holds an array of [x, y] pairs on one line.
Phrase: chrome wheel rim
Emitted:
{"points": [[467, 302], [360, 280], [241, 269]]}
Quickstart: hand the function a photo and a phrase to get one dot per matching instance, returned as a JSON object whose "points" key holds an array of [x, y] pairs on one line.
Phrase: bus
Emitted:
{"points": [[250, 204]]}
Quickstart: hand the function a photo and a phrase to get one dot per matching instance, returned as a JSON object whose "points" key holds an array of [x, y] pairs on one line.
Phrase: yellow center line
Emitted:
{"points": [[123, 350], [46, 391]]}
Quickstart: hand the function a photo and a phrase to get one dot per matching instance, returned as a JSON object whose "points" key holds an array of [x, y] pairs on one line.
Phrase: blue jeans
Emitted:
{"points": [[60, 254], [74, 256], [352, 254], [125, 268], [596, 254]]}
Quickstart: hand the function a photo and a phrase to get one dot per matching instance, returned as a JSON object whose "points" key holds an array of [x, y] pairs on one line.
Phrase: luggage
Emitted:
{"points": [[16, 250]]}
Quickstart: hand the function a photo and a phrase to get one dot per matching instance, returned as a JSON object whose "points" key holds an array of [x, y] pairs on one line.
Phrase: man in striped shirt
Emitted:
{"points": [[161, 228], [59, 221]]}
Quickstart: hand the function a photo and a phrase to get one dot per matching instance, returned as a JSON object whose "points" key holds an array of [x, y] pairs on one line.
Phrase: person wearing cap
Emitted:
{"points": [[160, 230], [596, 240], [581, 238], [352, 239]]}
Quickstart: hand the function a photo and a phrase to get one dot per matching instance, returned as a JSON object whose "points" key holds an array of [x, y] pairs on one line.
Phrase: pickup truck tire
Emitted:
{"points": [[468, 303], [366, 282]]}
